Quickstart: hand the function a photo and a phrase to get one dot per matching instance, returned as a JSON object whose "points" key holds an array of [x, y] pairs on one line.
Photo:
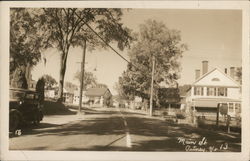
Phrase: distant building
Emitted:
{"points": [[76, 97], [213, 87], [32, 84], [97, 97], [68, 95], [50, 93]]}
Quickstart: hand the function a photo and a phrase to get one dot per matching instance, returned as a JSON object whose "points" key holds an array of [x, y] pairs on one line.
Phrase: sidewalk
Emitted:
{"points": [[65, 119], [61, 119]]}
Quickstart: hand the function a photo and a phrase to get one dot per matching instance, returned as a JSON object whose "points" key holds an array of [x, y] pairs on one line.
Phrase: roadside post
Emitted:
{"points": [[228, 123], [217, 115], [152, 87]]}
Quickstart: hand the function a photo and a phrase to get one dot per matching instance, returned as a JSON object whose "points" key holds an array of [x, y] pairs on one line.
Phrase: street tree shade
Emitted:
{"points": [[66, 27], [154, 40]]}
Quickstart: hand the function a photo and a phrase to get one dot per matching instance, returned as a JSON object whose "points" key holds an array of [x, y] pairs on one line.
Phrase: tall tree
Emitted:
{"points": [[89, 79], [154, 40], [66, 27], [49, 81], [25, 43]]}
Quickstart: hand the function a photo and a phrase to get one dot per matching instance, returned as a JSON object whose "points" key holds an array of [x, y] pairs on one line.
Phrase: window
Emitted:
{"points": [[15, 94], [29, 96], [217, 91], [211, 91], [222, 91], [198, 91], [237, 107], [231, 107]]}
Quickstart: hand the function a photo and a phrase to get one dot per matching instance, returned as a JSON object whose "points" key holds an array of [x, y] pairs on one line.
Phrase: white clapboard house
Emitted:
{"points": [[213, 87]]}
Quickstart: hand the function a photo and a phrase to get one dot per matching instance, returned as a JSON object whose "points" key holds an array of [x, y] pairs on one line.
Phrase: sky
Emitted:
{"points": [[212, 35]]}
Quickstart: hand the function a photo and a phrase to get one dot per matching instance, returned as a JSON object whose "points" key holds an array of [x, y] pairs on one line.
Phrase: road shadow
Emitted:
{"points": [[170, 132], [56, 108], [31, 128], [97, 126], [144, 128]]}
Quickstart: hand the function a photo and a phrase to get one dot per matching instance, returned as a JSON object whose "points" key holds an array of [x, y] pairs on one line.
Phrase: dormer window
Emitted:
{"points": [[216, 79]]}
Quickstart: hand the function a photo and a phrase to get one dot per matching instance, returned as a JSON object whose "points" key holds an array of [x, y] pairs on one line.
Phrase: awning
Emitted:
{"points": [[211, 102]]}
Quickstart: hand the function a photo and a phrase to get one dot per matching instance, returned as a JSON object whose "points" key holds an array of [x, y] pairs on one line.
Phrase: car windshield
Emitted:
{"points": [[29, 96], [16, 94]]}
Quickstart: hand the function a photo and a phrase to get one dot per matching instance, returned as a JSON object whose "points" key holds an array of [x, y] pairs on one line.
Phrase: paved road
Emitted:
{"points": [[119, 130]]}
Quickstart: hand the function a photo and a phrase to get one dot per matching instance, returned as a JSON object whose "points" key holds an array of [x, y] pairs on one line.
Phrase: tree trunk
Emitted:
{"points": [[63, 61]]}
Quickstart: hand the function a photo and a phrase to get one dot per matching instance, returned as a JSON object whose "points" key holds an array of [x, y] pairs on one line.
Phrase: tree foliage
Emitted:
{"points": [[154, 40], [66, 27], [19, 80], [101, 85], [70, 86], [168, 95], [89, 79], [49, 81], [25, 41]]}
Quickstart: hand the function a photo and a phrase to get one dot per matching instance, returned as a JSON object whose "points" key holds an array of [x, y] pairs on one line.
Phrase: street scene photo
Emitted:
{"points": [[125, 79]]}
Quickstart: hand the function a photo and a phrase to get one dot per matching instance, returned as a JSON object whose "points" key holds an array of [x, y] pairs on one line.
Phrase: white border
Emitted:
{"points": [[65, 155]]}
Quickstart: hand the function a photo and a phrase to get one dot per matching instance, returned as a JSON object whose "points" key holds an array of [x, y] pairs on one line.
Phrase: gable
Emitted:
{"points": [[216, 78]]}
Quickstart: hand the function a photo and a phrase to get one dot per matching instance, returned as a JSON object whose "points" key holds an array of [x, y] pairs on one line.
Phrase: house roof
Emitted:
{"points": [[213, 71], [96, 91]]}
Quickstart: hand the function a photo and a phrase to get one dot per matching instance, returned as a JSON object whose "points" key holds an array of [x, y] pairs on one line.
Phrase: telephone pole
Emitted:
{"points": [[82, 76], [152, 87]]}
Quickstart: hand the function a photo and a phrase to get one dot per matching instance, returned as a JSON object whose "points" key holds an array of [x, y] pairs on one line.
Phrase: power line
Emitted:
{"points": [[106, 43]]}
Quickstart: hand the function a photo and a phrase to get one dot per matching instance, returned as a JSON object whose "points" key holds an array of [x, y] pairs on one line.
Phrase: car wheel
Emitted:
{"points": [[14, 120], [40, 116]]}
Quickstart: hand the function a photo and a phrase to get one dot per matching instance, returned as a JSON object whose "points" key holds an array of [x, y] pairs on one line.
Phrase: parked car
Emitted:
{"points": [[24, 107]]}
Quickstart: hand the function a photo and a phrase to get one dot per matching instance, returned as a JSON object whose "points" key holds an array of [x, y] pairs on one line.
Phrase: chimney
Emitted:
{"points": [[204, 67], [225, 70], [232, 72], [197, 74]]}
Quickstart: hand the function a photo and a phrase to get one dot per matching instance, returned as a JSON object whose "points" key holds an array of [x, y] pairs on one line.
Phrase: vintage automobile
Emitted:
{"points": [[24, 107]]}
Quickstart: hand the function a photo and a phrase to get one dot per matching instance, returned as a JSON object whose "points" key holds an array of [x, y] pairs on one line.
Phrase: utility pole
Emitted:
{"points": [[152, 87], [82, 76]]}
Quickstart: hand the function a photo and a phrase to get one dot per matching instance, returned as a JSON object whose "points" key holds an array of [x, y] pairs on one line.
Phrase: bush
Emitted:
{"points": [[165, 113], [180, 115], [201, 121]]}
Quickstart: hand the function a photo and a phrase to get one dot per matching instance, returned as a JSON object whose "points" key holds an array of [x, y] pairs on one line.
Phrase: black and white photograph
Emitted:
{"points": [[126, 79]]}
